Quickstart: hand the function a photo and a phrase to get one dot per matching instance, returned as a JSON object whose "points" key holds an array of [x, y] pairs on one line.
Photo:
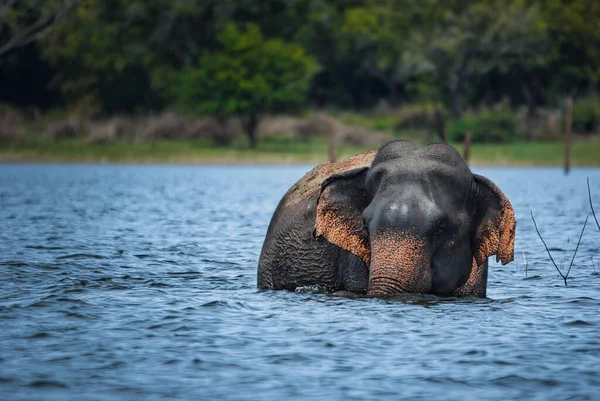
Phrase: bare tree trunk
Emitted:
{"points": [[250, 123], [467, 149], [568, 128]]}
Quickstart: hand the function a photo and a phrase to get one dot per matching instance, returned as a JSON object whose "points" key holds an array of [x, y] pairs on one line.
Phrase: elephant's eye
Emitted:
{"points": [[439, 229]]}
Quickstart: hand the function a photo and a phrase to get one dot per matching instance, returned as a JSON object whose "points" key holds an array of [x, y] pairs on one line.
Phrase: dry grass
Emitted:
{"points": [[114, 129], [11, 124], [321, 124], [167, 126], [164, 126], [65, 129], [548, 123], [11, 128], [170, 137]]}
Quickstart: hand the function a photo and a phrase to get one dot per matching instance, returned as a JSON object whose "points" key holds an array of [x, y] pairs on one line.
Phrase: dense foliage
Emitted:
{"points": [[245, 76], [132, 56], [487, 127]]}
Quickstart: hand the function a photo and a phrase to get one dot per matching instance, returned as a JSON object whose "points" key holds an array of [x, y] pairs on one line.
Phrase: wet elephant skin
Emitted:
{"points": [[400, 219]]}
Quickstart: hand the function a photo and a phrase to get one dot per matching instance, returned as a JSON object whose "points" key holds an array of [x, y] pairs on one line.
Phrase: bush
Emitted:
{"points": [[547, 124], [220, 132], [284, 125], [318, 125], [202, 129], [363, 137], [586, 116], [416, 118], [428, 118], [65, 129], [165, 126], [11, 123], [324, 125], [488, 127], [114, 129], [10, 128], [420, 117]]}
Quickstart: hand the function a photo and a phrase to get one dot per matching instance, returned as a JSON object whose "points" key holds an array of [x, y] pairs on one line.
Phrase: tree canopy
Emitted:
{"points": [[249, 57], [246, 75]]}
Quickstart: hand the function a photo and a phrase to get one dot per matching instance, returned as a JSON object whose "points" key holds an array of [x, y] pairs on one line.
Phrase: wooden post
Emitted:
{"points": [[568, 128], [467, 149]]}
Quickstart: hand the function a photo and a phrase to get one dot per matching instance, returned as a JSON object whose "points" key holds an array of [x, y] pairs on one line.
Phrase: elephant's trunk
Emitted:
{"points": [[400, 262]]}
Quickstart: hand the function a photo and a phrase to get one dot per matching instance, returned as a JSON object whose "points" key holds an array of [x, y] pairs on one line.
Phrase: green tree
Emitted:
{"points": [[375, 33], [127, 55], [573, 29], [247, 76], [123, 54], [519, 42]]}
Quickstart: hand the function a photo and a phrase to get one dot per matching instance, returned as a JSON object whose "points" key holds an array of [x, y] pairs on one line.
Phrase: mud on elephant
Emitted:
{"points": [[400, 219]]}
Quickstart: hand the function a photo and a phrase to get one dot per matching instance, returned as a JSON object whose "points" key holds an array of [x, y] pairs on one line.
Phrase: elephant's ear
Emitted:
{"points": [[339, 212], [494, 223]]}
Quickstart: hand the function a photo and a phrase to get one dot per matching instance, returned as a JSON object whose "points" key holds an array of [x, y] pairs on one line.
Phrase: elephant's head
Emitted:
{"points": [[418, 218]]}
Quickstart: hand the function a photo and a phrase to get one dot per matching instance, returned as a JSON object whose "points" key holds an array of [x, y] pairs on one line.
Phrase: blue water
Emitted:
{"points": [[139, 283]]}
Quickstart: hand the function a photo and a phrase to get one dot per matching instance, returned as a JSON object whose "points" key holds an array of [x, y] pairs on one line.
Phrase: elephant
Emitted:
{"points": [[401, 219]]}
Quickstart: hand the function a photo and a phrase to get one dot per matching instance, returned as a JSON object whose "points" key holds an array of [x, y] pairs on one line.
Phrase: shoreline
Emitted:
{"points": [[275, 152], [225, 161]]}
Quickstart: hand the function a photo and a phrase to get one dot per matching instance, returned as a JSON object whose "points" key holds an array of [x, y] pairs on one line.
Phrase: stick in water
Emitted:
{"points": [[591, 205], [564, 277]]}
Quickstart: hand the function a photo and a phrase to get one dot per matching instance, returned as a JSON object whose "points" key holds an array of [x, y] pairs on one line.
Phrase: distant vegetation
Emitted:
{"points": [[173, 138], [127, 71]]}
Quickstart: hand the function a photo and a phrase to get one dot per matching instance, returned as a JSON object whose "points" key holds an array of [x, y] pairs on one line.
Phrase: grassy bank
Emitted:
{"points": [[271, 150]]}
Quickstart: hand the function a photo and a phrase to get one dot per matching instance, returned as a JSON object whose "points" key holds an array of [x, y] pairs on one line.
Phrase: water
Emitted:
{"points": [[139, 282]]}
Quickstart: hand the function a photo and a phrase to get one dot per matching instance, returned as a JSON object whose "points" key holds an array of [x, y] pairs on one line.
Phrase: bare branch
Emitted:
{"points": [[577, 247], [591, 205], [564, 277], [7, 6], [22, 35], [546, 246]]}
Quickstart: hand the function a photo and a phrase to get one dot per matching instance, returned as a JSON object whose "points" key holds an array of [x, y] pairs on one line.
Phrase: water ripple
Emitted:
{"points": [[139, 282]]}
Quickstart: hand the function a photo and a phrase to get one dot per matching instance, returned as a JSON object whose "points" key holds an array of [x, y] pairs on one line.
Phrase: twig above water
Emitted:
{"points": [[577, 247], [544, 242], [564, 277], [591, 205]]}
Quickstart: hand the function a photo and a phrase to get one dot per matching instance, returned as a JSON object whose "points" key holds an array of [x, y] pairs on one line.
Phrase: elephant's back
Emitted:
{"points": [[309, 185], [290, 255]]}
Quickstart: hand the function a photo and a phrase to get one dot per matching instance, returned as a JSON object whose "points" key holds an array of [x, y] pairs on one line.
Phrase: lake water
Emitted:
{"points": [[139, 283]]}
